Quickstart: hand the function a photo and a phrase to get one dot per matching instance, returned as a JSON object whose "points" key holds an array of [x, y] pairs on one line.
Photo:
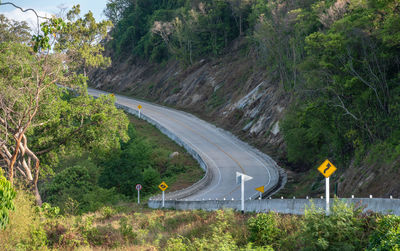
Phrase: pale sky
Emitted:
{"points": [[49, 7]]}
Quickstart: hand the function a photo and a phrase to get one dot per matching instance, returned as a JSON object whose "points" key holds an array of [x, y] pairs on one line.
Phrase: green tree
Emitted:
{"points": [[80, 41], [13, 31], [115, 9], [28, 90], [151, 180]]}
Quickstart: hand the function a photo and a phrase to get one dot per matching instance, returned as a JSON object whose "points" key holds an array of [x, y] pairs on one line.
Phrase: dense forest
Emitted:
{"points": [[338, 60]]}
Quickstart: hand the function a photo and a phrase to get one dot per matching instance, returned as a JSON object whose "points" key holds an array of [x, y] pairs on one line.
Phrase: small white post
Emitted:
{"points": [[242, 186], [352, 196], [391, 197], [327, 195], [163, 199], [138, 196], [370, 196], [139, 113]]}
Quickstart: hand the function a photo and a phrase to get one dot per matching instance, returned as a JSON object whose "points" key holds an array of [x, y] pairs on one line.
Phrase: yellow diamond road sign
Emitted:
{"points": [[163, 186], [260, 189], [139, 106], [327, 168]]}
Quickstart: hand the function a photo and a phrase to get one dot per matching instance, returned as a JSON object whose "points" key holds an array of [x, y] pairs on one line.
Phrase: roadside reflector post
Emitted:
{"points": [[163, 199]]}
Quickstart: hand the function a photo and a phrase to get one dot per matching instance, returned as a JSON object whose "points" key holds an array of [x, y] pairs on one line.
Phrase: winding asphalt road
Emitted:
{"points": [[223, 153]]}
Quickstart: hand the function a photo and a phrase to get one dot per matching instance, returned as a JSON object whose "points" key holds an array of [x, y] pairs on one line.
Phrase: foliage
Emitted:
{"points": [[263, 229], [346, 96], [25, 230], [11, 30], [141, 161], [80, 41], [220, 238], [79, 183], [158, 30], [90, 124], [386, 236], [341, 230], [31, 104], [7, 195]]}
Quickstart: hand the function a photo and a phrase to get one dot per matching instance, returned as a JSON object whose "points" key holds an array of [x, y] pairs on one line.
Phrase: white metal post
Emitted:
{"points": [[242, 185], [327, 195], [260, 195], [163, 198], [138, 196], [139, 113]]}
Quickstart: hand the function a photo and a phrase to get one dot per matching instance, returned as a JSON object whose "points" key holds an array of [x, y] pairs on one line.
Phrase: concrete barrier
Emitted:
{"points": [[285, 206]]}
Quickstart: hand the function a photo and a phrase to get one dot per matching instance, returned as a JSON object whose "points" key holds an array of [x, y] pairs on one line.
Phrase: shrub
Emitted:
{"points": [[387, 234], [151, 179], [7, 195], [25, 230], [263, 229], [73, 190], [341, 230]]}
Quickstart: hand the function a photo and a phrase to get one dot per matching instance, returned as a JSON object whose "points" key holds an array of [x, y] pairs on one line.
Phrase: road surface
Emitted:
{"points": [[223, 154]]}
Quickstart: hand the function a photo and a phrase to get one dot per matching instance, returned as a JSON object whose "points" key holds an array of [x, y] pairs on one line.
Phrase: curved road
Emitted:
{"points": [[223, 154]]}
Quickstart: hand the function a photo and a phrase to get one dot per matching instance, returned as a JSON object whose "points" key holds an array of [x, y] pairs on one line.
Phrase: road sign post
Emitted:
{"points": [[327, 169], [163, 186], [138, 188], [241, 178], [327, 195], [140, 108]]}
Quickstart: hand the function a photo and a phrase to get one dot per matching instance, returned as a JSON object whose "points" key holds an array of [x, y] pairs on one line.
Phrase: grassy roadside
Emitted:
{"points": [[129, 226], [182, 179]]}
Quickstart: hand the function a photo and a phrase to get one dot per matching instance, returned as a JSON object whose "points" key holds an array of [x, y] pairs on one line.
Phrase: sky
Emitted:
{"points": [[49, 7]]}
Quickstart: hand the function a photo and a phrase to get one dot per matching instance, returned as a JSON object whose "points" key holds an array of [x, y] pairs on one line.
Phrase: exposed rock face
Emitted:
{"points": [[231, 91]]}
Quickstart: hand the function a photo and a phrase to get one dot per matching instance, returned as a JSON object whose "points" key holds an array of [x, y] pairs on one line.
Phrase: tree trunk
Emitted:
{"points": [[38, 198]]}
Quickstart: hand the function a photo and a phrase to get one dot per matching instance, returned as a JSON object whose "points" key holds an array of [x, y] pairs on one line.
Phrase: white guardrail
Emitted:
{"points": [[285, 206]]}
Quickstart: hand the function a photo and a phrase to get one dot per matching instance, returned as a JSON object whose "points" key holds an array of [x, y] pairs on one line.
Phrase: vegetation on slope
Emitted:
{"points": [[133, 227]]}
